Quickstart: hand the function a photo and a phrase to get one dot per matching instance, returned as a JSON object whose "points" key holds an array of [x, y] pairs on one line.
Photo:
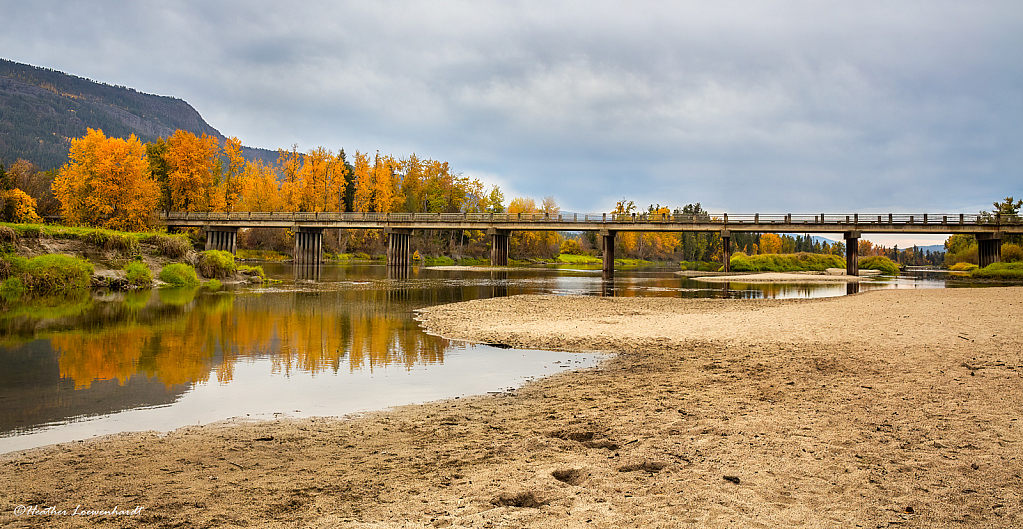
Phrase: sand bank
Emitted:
{"points": [[778, 277], [890, 407]]}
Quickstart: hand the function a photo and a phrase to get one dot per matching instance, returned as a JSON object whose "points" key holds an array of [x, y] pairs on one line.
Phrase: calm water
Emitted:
{"points": [[326, 342]]}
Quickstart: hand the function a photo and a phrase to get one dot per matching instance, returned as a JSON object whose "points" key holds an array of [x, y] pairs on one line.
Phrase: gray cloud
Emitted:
{"points": [[780, 106]]}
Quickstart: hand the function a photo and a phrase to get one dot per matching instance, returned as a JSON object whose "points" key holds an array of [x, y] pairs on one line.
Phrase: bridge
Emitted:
{"points": [[222, 228]]}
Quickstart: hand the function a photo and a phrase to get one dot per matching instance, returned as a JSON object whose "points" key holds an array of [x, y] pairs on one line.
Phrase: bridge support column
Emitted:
{"points": [[224, 238], [498, 246], [399, 253], [308, 245], [852, 253], [726, 247], [989, 248], [607, 248]]}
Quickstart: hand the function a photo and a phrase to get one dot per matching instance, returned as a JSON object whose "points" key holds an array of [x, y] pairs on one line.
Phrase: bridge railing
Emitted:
{"points": [[852, 219]]}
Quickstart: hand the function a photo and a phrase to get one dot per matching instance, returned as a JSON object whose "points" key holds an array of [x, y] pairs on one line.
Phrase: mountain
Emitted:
{"points": [[41, 110]]}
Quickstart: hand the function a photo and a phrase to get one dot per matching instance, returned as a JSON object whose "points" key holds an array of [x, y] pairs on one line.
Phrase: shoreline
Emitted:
{"points": [[891, 406], [779, 277]]}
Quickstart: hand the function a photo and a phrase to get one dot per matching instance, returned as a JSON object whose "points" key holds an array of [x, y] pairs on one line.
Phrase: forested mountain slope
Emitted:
{"points": [[42, 109]]}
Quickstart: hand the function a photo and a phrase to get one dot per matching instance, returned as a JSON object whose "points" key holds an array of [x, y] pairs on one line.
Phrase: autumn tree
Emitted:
{"points": [[230, 184], [18, 207], [495, 200], [770, 243], [36, 184], [258, 188], [160, 169], [106, 182], [194, 172]]}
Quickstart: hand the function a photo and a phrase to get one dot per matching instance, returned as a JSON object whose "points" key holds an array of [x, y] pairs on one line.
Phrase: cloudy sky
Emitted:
{"points": [[757, 106]]}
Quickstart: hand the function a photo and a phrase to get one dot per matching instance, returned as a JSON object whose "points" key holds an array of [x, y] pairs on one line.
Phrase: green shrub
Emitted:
{"points": [[1012, 253], [12, 288], [57, 273], [179, 275], [963, 267], [139, 275], [362, 255], [216, 263], [970, 254], [252, 271], [878, 262], [214, 284], [1012, 271], [741, 262], [435, 261]]}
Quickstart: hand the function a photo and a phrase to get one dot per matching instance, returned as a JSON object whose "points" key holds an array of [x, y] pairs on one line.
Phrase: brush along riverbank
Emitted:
{"points": [[77, 257], [890, 407]]}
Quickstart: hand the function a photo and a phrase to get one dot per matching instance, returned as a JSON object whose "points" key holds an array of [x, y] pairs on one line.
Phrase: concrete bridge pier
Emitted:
{"points": [[399, 254], [308, 245], [607, 248], [726, 246], [852, 253], [224, 238], [498, 246], [989, 248]]}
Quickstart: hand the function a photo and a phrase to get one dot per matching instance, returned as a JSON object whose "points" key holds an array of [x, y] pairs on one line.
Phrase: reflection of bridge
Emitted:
{"points": [[222, 228]]}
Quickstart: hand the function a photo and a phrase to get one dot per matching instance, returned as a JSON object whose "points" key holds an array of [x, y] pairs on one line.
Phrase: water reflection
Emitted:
{"points": [[398, 272], [183, 337], [308, 271]]}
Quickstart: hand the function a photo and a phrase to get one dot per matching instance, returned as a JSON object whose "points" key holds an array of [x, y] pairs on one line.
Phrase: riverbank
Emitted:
{"points": [[889, 407], [778, 277], [109, 253]]}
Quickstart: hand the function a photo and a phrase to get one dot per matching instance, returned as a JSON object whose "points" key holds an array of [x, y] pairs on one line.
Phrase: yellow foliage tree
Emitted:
{"points": [[363, 182], [21, 206], [770, 243], [231, 183], [107, 181], [194, 167], [259, 190]]}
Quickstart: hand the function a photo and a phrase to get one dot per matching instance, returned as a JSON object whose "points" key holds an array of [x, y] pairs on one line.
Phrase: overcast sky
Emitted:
{"points": [[757, 106]]}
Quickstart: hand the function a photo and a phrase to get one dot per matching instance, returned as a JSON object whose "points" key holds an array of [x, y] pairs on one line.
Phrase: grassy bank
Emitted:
{"points": [[884, 264], [45, 274], [578, 259], [174, 246], [796, 262], [1006, 271]]}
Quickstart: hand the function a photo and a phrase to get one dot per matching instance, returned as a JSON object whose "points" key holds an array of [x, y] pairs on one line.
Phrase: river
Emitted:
{"points": [[332, 342]]}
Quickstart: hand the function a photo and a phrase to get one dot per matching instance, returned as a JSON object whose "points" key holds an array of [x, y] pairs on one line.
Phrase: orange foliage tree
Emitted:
{"points": [[770, 243], [194, 172], [107, 182]]}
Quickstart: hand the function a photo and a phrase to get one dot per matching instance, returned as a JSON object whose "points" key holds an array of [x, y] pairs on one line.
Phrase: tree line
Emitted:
{"points": [[120, 183]]}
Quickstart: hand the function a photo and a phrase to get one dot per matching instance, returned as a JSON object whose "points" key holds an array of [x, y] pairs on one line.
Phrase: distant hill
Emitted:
{"points": [[41, 110]]}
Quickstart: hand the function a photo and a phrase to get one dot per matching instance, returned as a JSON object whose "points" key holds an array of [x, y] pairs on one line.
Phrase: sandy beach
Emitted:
{"points": [[888, 408]]}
